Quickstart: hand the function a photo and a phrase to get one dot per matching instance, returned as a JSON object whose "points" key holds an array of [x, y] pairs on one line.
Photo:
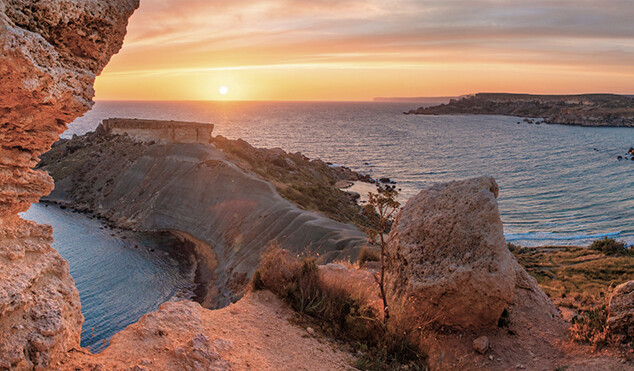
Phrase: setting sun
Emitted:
{"points": [[223, 90]]}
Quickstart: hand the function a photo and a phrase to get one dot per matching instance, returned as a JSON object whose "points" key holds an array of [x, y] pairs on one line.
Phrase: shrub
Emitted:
{"points": [[299, 283], [590, 326], [513, 247], [610, 246], [368, 254]]}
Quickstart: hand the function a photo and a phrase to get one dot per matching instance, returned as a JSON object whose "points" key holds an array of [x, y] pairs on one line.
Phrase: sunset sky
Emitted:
{"points": [[360, 49]]}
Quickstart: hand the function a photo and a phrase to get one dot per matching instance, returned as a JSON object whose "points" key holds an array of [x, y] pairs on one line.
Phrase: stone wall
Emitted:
{"points": [[160, 131]]}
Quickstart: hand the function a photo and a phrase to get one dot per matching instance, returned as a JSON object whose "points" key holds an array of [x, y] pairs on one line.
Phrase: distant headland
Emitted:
{"points": [[582, 110], [428, 100]]}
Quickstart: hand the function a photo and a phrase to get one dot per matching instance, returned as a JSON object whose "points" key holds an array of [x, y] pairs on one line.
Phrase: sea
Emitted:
{"points": [[559, 185]]}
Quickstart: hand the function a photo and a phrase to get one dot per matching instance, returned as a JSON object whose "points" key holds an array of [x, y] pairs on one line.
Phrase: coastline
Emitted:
{"points": [[199, 253], [205, 265]]}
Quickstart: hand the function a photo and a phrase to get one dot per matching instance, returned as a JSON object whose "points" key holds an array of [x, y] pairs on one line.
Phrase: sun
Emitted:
{"points": [[223, 90]]}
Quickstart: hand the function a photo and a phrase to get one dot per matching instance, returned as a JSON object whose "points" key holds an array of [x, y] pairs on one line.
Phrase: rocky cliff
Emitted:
{"points": [[583, 110], [50, 53]]}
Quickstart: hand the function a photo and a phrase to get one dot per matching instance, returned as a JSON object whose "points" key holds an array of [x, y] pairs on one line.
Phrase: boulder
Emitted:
{"points": [[481, 344], [621, 313], [447, 256]]}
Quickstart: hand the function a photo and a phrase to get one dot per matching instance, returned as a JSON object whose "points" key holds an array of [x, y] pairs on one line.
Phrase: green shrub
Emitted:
{"points": [[610, 246], [298, 282], [368, 254]]}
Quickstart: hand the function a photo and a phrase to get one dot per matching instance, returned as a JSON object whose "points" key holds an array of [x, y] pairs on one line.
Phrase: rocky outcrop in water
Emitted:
{"points": [[50, 53], [583, 110], [621, 313]]}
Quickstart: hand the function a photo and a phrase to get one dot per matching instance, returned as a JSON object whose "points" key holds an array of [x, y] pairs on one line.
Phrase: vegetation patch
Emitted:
{"points": [[590, 326], [339, 311], [580, 279], [610, 246], [310, 184]]}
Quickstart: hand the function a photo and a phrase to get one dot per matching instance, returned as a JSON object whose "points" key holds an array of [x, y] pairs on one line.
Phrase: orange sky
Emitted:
{"points": [[360, 49]]}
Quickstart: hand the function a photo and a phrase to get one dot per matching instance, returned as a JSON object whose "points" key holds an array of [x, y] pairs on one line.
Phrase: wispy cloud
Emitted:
{"points": [[212, 35]]}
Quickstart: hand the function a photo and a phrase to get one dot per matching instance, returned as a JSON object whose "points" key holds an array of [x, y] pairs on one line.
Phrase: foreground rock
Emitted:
{"points": [[454, 279], [50, 53], [447, 252], [583, 110], [621, 313]]}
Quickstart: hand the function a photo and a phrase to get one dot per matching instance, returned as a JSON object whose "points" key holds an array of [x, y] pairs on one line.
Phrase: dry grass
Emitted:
{"points": [[369, 254], [575, 276], [340, 309], [581, 279], [590, 326]]}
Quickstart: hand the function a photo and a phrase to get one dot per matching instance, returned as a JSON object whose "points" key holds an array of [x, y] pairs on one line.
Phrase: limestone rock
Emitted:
{"points": [[447, 255], [481, 344], [50, 53], [621, 313]]}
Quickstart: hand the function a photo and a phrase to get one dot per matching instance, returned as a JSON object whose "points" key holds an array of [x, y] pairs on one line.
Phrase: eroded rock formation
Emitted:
{"points": [[621, 313], [447, 250], [452, 276], [50, 53]]}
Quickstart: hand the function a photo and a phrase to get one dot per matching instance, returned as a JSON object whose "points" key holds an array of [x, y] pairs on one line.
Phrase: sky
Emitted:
{"points": [[355, 50]]}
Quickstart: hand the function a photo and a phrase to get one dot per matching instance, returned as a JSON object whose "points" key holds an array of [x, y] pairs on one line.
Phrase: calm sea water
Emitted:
{"points": [[120, 275], [558, 184]]}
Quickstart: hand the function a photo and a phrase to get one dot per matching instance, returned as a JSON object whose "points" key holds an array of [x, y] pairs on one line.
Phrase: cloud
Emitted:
{"points": [[180, 37]]}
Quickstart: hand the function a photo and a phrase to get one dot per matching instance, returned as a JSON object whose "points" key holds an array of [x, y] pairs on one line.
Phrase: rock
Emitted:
{"points": [[621, 313], [481, 344], [50, 53], [310, 331], [447, 255]]}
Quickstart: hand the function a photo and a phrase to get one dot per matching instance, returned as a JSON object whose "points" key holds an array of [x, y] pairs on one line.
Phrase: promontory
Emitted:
{"points": [[581, 110]]}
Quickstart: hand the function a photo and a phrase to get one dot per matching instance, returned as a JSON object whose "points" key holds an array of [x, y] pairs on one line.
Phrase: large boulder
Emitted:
{"points": [[621, 313], [447, 255]]}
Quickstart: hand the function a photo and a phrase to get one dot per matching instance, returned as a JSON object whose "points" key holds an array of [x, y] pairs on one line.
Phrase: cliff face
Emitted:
{"points": [[196, 189], [50, 53], [582, 110]]}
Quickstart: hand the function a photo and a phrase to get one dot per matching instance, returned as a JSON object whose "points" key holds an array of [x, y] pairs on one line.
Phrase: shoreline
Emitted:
{"points": [[205, 264], [200, 254]]}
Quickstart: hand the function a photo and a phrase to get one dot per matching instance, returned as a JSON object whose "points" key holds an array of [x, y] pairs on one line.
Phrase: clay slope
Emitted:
{"points": [[50, 53], [195, 189]]}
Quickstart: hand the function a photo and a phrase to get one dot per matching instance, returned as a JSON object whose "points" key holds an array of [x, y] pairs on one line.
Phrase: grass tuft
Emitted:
{"points": [[368, 254], [590, 326], [343, 312]]}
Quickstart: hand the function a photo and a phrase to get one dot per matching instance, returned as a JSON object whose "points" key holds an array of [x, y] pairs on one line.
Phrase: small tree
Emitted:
{"points": [[380, 211]]}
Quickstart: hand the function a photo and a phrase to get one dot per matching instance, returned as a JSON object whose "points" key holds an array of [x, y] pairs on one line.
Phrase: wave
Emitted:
{"points": [[549, 236]]}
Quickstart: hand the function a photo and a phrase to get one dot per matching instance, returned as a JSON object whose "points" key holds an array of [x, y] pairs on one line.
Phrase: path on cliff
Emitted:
{"points": [[255, 333]]}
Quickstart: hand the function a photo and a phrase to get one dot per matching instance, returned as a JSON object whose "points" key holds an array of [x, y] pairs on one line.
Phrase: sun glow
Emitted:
{"points": [[223, 90]]}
